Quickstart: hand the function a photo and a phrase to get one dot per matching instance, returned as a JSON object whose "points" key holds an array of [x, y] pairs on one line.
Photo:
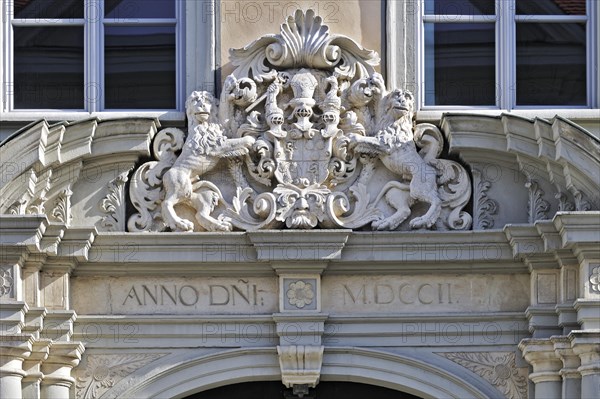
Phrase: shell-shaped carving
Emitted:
{"points": [[304, 42]]}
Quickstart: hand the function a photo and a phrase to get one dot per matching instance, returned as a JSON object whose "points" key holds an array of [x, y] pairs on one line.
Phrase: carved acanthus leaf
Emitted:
{"points": [[538, 206], [487, 208], [563, 202], [112, 204], [498, 368], [102, 372], [6, 281], [62, 207], [309, 135]]}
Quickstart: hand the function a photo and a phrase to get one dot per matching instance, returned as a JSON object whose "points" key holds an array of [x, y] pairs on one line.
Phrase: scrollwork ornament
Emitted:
{"points": [[498, 368], [311, 138], [6, 281], [112, 203], [538, 206], [102, 372]]}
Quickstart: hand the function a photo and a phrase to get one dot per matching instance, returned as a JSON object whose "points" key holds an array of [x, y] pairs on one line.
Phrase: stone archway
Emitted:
{"points": [[394, 372], [275, 390]]}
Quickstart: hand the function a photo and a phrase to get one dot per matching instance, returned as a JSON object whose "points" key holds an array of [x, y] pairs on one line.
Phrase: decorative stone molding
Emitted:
{"points": [[300, 293], [498, 368], [62, 207], [300, 365], [113, 204], [311, 137], [486, 207], [541, 355], [594, 279], [7, 281], [63, 357], [538, 206], [102, 372]]}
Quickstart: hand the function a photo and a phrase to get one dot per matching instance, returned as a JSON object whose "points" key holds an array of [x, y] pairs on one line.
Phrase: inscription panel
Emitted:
{"points": [[340, 294], [175, 295], [448, 293]]}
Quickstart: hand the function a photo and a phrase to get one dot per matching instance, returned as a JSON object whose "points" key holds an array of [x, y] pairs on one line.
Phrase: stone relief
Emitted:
{"points": [[538, 206], [112, 204], [306, 135], [6, 281], [102, 372], [498, 368], [595, 280], [300, 366], [486, 207], [300, 294]]}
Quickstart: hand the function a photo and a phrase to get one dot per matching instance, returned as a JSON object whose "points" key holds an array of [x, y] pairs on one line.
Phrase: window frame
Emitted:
{"points": [[194, 34], [506, 21]]}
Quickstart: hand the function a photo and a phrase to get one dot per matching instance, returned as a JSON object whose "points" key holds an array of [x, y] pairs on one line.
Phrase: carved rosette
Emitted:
{"points": [[498, 368], [102, 372], [308, 137]]}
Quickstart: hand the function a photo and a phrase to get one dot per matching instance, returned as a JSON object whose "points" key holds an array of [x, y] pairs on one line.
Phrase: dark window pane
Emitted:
{"points": [[460, 7], [48, 68], [460, 64], [48, 9], [121, 9], [551, 7], [551, 64], [140, 67]]}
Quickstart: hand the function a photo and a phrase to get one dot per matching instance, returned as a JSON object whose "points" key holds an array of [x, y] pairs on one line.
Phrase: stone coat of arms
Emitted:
{"points": [[305, 135]]}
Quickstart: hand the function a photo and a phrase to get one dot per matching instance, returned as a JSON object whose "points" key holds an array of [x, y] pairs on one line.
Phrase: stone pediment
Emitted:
{"points": [[305, 135]]}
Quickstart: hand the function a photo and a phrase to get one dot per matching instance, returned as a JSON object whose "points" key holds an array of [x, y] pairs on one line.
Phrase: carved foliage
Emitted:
{"points": [[538, 206], [595, 280], [62, 207], [112, 204], [311, 135], [497, 368], [486, 207], [146, 184], [102, 372], [6, 281]]}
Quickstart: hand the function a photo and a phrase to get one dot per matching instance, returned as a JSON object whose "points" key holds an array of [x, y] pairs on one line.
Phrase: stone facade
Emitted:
{"points": [[302, 229]]}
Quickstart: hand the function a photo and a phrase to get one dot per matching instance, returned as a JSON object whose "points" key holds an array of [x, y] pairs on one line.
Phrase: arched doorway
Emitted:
{"points": [[325, 390]]}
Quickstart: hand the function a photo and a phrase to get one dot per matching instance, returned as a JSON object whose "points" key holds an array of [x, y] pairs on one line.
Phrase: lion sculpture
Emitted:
{"points": [[204, 147], [395, 146]]}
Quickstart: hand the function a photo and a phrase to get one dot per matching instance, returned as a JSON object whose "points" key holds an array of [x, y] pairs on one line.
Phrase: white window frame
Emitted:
{"points": [[505, 33], [195, 37]]}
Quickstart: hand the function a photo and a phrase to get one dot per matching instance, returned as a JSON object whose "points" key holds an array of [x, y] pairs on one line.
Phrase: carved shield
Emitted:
{"points": [[303, 161]]}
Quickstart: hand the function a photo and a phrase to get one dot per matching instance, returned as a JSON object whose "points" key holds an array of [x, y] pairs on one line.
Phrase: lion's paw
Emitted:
{"points": [[184, 225], [421, 222]]}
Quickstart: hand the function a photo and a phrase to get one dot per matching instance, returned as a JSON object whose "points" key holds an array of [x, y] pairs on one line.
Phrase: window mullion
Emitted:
{"points": [[93, 88], [6, 57], [506, 53], [593, 14]]}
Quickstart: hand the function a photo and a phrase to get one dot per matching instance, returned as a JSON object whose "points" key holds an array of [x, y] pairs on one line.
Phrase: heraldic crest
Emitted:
{"points": [[305, 135]]}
